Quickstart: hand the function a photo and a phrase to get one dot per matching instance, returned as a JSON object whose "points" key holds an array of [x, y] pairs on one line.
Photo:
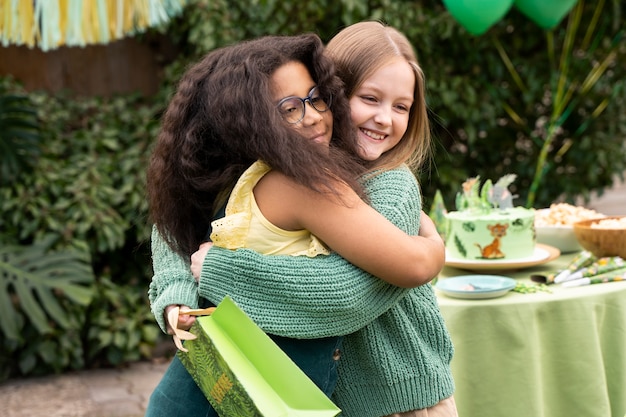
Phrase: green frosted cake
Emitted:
{"points": [[486, 226]]}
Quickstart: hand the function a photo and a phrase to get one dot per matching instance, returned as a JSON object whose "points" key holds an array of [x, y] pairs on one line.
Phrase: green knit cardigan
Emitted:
{"points": [[397, 350]]}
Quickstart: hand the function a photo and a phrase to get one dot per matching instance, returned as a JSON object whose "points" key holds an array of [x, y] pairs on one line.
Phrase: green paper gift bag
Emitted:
{"points": [[244, 373]]}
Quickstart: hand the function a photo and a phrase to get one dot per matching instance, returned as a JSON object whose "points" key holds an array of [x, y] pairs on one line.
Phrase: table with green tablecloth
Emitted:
{"points": [[559, 354]]}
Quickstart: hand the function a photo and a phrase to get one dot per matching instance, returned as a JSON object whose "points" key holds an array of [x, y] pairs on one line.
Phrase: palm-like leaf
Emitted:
{"points": [[568, 92], [19, 136], [31, 280]]}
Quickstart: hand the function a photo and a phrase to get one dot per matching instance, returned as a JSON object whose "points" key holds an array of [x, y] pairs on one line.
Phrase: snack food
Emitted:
{"points": [[486, 226], [554, 225], [564, 214], [612, 223]]}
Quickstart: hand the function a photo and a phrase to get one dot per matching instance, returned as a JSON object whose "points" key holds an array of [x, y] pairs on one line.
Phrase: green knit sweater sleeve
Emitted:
{"points": [[314, 297], [172, 282]]}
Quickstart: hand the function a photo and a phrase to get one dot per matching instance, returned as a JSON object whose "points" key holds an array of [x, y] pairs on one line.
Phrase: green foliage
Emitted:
{"points": [[29, 278], [472, 101], [89, 182], [117, 330], [41, 292], [19, 135], [482, 123], [85, 199], [492, 102], [41, 354], [570, 83]]}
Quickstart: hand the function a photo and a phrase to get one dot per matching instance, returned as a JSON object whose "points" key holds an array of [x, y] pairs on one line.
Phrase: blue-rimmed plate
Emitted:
{"points": [[476, 286]]}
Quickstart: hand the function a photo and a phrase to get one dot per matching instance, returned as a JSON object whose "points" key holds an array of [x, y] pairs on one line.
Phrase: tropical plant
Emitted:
{"points": [[73, 270], [568, 89], [19, 136], [32, 278], [484, 124]]}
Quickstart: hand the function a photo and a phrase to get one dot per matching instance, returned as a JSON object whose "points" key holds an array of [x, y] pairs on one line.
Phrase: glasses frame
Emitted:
{"points": [[304, 100]]}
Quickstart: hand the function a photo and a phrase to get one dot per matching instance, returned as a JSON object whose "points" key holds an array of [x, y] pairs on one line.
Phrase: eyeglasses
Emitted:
{"points": [[292, 108]]}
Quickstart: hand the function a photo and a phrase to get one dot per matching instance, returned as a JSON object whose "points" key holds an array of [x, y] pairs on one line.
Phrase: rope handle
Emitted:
{"points": [[180, 334], [198, 311]]}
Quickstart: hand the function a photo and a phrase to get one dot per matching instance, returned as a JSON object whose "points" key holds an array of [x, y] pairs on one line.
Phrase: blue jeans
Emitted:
{"points": [[178, 395]]}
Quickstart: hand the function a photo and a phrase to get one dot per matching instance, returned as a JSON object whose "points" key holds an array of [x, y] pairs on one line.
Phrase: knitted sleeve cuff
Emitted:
{"points": [[172, 282], [181, 293]]}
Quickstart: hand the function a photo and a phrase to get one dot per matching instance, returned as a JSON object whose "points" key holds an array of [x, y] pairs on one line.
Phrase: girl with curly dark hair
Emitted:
{"points": [[273, 102]]}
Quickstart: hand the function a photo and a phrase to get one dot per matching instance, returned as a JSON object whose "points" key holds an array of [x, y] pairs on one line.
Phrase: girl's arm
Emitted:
{"points": [[355, 230], [172, 282], [297, 296], [323, 296]]}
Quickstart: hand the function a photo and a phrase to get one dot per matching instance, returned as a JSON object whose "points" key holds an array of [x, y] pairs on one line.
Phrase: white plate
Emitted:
{"points": [[542, 255], [476, 286]]}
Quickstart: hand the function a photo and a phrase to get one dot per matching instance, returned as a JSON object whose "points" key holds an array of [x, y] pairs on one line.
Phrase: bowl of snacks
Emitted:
{"points": [[603, 237], [554, 226]]}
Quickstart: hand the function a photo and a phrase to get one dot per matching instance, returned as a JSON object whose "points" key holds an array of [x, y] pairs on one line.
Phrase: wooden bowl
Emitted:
{"points": [[602, 241]]}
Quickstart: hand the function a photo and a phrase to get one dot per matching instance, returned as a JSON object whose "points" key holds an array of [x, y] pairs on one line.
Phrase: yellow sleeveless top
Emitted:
{"points": [[244, 226]]}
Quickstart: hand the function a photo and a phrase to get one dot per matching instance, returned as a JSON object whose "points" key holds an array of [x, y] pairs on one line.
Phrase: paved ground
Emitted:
{"points": [[100, 393], [125, 392]]}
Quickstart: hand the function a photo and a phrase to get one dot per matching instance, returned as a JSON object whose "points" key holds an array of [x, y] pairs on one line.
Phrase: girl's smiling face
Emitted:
{"points": [[293, 79], [380, 108]]}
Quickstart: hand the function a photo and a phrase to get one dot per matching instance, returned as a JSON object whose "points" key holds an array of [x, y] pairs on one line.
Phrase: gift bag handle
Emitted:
{"points": [[199, 311], [180, 334]]}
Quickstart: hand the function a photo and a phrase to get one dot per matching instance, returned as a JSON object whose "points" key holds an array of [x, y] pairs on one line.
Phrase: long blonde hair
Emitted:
{"points": [[361, 49]]}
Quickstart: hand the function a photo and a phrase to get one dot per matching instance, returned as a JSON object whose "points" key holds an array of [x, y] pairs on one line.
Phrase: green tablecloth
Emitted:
{"points": [[539, 355]]}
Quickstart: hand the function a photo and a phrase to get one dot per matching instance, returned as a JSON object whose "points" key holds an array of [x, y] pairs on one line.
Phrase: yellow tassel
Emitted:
{"points": [[48, 24], [10, 20], [88, 23], [26, 26]]}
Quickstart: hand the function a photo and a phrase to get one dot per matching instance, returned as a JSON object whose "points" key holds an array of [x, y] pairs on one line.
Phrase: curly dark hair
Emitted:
{"points": [[222, 118]]}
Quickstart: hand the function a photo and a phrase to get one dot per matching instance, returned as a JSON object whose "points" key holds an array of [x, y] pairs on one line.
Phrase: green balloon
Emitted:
{"points": [[545, 13], [478, 15]]}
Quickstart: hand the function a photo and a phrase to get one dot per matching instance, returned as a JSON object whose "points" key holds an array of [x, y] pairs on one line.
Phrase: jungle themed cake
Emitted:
{"points": [[486, 226]]}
